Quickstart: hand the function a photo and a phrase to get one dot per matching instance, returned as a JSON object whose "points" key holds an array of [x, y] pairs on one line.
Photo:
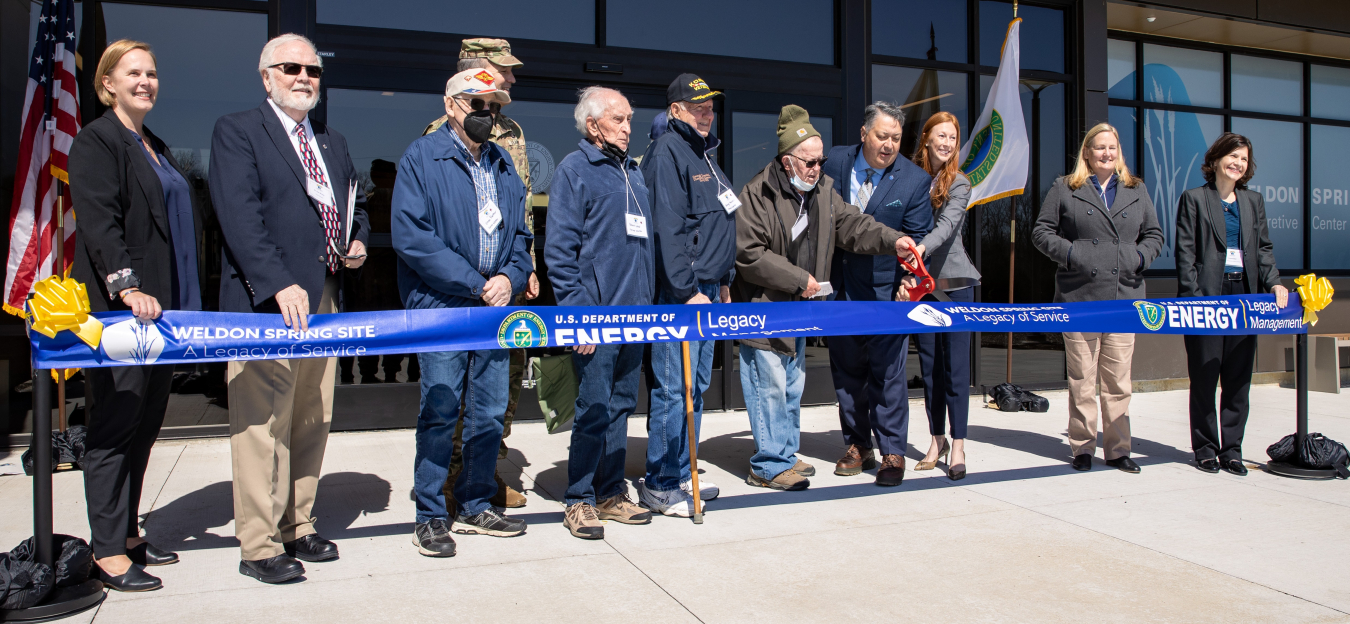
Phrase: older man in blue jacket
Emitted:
{"points": [[869, 371], [459, 230], [599, 253], [693, 209]]}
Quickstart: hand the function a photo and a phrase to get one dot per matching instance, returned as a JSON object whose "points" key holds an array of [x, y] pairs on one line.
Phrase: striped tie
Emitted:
{"points": [[329, 213], [865, 193]]}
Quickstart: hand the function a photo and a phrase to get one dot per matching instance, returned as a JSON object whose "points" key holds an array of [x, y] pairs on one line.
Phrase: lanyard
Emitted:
{"points": [[631, 194], [716, 177]]}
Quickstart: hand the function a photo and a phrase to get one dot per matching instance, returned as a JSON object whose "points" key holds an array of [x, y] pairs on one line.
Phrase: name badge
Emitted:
{"points": [[320, 192], [729, 201], [489, 216], [1234, 258], [637, 225], [799, 226]]}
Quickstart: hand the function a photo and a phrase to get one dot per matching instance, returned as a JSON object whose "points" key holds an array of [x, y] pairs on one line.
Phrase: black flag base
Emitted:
{"points": [[1286, 469], [62, 602]]}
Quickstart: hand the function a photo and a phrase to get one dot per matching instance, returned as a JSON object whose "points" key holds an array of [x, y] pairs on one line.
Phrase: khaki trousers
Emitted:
{"points": [[280, 411], [1107, 357]]}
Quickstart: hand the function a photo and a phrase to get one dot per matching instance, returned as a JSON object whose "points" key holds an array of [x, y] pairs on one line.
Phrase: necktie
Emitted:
{"points": [[865, 193], [327, 212]]}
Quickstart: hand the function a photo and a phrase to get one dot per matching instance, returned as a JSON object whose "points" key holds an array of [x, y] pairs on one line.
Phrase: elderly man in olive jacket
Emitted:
{"points": [[790, 221]]}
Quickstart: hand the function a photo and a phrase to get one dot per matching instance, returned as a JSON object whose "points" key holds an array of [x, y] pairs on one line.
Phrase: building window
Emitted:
{"points": [[1181, 99], [1042, 27], [755, 140], [571, 21], [787, 30], [920, 29]]}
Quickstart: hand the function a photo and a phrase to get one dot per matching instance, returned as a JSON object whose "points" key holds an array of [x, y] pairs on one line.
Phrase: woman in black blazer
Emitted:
{"points": [[136, 250], [1223, 248]]}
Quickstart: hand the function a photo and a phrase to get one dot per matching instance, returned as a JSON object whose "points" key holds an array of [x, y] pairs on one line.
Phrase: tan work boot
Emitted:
{"points": [[855, 460], [581, 521], [788, 481], [804, 469], [507, 497], [620, 509]]}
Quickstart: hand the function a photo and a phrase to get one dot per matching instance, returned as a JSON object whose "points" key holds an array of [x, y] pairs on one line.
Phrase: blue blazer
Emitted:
{"points": [[274, 235], [901, 202], [435, 224]]}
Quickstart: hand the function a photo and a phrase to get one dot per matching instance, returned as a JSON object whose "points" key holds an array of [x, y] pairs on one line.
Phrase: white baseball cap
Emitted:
{"points": [[479, 83]]}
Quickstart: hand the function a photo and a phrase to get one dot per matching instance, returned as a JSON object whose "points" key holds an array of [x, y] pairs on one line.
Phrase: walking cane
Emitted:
{"points": [[693, 432]]}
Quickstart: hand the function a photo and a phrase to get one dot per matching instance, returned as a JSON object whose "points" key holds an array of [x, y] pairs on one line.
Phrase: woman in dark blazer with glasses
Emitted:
{"points": [[1223, 248], [136, 250]]}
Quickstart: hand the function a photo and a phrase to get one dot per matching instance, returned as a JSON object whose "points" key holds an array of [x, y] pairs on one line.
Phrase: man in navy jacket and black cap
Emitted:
{"points": [[693, 214]]}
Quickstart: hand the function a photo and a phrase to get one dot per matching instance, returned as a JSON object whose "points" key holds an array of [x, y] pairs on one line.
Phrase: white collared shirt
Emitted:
{"points": [[290, 126]]}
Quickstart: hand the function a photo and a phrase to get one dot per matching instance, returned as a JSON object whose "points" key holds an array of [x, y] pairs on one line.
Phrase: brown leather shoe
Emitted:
{"points": [[788, 481], [854, 461], [508, 498], [892, 471]]}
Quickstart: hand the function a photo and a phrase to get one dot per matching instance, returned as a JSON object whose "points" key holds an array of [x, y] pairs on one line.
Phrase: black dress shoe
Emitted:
{"points": [[147, 555], [892, 471], [1082, 462], [312, 548], [278, 569], [1234, 467], [136, 579], [1210, 465], [1123, 464]]}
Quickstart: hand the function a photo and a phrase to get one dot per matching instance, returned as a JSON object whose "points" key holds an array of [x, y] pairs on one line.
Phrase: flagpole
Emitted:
{"points": [[59, 269], [1012, 254]]}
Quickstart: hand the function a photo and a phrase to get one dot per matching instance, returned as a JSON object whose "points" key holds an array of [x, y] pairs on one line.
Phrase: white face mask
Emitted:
{"points": [[804, 187]]}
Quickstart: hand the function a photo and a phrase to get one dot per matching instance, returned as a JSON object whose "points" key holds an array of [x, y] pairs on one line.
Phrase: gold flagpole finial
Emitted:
{"points": [[1014, 9]]}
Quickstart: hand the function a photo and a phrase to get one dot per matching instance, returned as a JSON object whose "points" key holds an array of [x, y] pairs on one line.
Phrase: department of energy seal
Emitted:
{"points": [[541, 166], [1151, 315], [985, 147], [522, 330]]}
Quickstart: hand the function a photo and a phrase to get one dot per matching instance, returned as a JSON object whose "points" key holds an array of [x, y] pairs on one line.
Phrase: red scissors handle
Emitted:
{"points": [[926, 284]]}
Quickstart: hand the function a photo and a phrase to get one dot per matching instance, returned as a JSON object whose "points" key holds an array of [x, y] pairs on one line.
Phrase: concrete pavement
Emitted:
{"points": [[1022, 539]]}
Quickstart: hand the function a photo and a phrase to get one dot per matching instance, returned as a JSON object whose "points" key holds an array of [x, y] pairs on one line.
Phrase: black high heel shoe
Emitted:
{"points": [[135, 580], [147, 555]]}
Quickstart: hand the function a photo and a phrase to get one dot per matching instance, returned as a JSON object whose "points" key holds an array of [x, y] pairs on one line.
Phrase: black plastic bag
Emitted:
{"points": [[23, 584], [1318, 452], [67, 448], [74, 558], [1009, 397]]}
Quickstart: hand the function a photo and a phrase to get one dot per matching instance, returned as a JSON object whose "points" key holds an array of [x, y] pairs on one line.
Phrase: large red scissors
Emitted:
{"points": [[927, 284]]}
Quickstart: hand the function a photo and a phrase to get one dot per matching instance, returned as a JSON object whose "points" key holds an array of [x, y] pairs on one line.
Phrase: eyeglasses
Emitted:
{"points": [[811, 164], [293, 69]]}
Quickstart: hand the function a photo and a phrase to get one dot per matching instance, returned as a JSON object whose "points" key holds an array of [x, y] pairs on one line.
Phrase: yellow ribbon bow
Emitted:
{"points": [[63, 303], [1315, 294]]}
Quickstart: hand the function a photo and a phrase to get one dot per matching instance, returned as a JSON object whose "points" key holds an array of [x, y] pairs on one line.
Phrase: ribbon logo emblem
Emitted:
{"points": [[133, 342], [522, 330], [1150, 314]]}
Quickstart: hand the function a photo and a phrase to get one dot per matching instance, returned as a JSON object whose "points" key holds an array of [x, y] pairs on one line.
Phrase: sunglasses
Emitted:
{"points": [[478, 104], [810, 164], [293, 69]]}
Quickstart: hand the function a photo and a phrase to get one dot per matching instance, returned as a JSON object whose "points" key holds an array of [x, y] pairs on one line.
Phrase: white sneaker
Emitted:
{"points": [[672, 503], [706, 489]]}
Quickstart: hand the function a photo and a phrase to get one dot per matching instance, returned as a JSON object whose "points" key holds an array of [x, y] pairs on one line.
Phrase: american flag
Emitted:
{"points": [[51, 119]]}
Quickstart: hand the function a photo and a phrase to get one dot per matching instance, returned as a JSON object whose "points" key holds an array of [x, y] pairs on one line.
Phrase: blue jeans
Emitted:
{"points": [[667, 429], [479, 381], [773, 384], [606, 397]]}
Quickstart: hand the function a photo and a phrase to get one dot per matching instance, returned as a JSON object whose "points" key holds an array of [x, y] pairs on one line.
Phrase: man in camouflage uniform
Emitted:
{"points": [[496, 54]]}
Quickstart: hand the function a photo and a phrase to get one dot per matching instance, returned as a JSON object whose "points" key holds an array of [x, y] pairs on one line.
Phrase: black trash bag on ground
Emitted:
{"points": [[67, 448], [74, 558], [1006, 397], [23, 584], [1318, 452], [1010, 397]]}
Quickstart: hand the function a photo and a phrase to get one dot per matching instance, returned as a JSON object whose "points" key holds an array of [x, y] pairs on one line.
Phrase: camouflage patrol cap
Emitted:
{"points": [[495, 51]]}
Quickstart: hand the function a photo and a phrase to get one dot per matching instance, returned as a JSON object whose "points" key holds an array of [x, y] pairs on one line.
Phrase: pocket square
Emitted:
{"points": [[898, 202]]}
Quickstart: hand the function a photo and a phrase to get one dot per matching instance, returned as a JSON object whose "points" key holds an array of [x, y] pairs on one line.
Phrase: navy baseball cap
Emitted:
{"points": [[690, 88]]}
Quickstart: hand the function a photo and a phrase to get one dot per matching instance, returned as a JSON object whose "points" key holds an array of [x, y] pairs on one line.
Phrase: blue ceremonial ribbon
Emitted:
{"points": [[194, 337]]}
